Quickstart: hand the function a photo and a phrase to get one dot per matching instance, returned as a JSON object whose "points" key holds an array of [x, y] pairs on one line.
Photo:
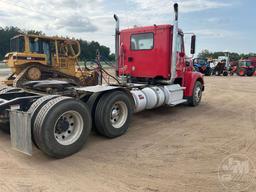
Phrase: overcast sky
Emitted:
{"points": [[220, 25]]}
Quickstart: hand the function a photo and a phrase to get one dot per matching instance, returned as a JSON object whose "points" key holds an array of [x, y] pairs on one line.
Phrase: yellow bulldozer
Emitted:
{"points": [[37, 57]]}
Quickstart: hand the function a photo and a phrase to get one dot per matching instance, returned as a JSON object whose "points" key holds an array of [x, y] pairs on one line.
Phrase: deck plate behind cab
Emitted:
{"points": [[97, 88]]}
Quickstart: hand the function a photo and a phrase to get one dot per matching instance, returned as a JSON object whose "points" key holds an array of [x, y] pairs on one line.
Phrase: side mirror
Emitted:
{"points": [[193, 45]]}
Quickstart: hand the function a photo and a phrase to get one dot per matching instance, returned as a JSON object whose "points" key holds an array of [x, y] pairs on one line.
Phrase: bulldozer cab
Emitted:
{"points": [[41, 46], [52, 47], [17, 44]]}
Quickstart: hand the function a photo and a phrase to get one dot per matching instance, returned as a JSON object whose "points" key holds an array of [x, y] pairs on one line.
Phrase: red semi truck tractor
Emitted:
{"points": [[57, 116]]}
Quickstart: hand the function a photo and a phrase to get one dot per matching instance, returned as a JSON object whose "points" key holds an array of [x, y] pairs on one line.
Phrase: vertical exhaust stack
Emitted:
{"points": [[174, 45], [117, 43]]}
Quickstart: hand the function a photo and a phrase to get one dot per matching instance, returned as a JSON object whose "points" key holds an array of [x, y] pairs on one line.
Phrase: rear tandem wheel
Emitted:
{"points": [[35, 108], [113, 114], [62, 127]]}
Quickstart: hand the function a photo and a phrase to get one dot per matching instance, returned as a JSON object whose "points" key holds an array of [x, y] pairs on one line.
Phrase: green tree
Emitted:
{"points": [[5, 35], [232, 55], [33, 32], [204, 54]]}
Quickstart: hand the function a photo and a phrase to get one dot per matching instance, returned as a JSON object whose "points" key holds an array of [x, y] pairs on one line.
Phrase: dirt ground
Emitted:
{"points": [[175, 149]]}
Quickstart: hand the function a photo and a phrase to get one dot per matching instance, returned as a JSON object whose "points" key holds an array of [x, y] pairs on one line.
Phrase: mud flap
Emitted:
{"points": [[20, 127]]}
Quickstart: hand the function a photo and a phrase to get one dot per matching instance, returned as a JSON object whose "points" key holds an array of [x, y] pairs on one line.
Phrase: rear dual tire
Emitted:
{"points": [[62, 127], [113, 114], [35, 108]]}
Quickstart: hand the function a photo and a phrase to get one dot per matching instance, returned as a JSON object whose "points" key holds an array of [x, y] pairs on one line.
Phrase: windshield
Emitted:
{"points": [[245, 63], [34, 45], [17, 44]]}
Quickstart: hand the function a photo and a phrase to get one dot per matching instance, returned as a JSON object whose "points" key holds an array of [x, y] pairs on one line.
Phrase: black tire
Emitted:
{"points": [[48, 117], [197, 97], [225, 73], [5, 127], [104, 111], [92, 104], [250, 72], [35, 108]]}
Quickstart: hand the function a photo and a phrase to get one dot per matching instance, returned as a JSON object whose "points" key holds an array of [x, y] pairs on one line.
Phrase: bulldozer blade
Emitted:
{"points": [[20, 127]]}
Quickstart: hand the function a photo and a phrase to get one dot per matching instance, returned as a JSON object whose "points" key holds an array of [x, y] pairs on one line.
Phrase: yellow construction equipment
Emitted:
{"points": [[37, 57]]}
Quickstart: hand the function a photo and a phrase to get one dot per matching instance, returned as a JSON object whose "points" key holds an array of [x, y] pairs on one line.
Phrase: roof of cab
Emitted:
{"points": [[147, 28], [44, 37]]}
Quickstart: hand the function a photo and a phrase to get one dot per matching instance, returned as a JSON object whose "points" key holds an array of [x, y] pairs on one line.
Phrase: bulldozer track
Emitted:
{"points": [[47, 73]]}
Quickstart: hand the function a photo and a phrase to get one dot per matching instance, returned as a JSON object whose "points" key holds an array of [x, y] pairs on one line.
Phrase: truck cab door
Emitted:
{"points": [[140, 54]]}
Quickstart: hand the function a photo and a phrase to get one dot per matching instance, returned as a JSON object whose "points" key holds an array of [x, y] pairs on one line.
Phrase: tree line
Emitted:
{"points": [[232, 55], [88, 49]]}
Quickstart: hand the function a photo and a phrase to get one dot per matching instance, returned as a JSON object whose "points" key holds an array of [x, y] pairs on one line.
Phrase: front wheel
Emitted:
{"points": [[113, 114], [197, 94]]}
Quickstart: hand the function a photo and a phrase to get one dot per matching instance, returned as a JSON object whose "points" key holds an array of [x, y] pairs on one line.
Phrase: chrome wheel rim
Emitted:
{"points": [[198, 94], [68, 128], [119, 114]]}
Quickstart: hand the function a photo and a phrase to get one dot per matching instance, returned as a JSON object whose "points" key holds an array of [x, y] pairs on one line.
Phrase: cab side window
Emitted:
{"points": [[143, 41], [180, 44]]}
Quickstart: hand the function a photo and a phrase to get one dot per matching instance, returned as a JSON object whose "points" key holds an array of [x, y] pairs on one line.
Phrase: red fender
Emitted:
{"points": [[190, 78]]}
